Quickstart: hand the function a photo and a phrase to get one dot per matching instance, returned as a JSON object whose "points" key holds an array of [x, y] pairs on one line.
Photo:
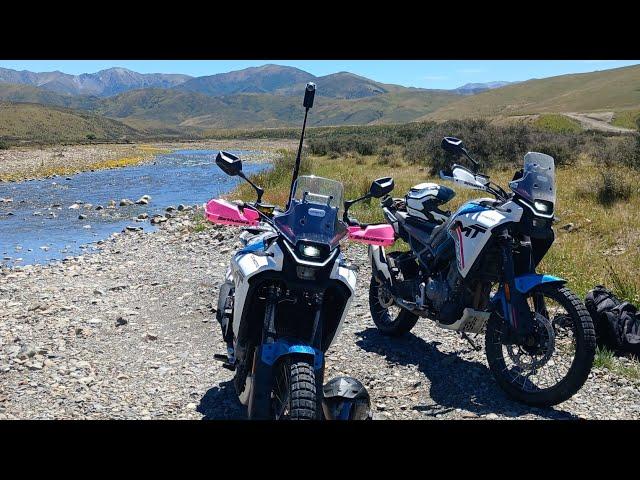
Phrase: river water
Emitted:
{"points": [[38, 226]]}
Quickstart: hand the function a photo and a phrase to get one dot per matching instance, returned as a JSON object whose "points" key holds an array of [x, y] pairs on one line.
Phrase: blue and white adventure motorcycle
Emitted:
{"points": [[474, 271], [287, 292]]}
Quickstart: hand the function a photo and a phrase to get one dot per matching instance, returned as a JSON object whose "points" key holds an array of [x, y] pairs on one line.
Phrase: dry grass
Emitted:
{"points": [[603, 237]]}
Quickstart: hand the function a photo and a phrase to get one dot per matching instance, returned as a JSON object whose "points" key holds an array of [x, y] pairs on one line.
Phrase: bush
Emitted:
{"points": [[91, 137], [492, 145], [613, 188], [4, 145]]}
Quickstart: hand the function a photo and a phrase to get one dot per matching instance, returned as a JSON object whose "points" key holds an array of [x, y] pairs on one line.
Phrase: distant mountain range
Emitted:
{"points": [[270, 96], [473, 88], [103, 83]]}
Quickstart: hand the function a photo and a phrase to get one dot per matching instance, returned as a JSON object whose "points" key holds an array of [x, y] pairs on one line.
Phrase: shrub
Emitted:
{"points": [[4, 145], [612, 188], [91, 137]]}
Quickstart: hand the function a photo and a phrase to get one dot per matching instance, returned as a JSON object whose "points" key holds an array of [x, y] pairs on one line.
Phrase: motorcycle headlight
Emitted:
{"points": [[310, 251], [543, 207]]}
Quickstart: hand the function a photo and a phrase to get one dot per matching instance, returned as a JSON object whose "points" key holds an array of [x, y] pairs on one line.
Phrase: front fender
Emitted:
{"points": [[526, 283]]}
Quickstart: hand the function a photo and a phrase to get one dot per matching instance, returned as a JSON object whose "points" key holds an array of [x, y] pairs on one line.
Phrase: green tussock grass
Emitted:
{"points": [[627, 119], [200, 223], [629, 369], [557, 123]]}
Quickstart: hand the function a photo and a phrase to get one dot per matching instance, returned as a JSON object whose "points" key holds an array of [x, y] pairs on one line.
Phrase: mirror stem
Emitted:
{"points": [[297, 165], [348, 203], [473, 161], [259, 190]]}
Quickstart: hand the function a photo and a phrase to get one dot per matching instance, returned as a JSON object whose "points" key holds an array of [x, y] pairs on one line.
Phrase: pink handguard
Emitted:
{"points": [[227, 213], [382, 235]]}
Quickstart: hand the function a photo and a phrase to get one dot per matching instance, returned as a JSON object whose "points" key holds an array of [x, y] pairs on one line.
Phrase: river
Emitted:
{"points": [[37, 225]]}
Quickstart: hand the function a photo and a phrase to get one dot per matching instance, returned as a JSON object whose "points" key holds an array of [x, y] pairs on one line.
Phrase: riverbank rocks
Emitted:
{"points": [[81, 217], [75, 206], [111, 204], [125, 202], [143, 200], [157, 219], [143, 216]]}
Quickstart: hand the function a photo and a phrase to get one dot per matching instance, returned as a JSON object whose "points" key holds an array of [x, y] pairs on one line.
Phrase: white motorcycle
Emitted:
{"points": [[288, 290], [474, 271]]}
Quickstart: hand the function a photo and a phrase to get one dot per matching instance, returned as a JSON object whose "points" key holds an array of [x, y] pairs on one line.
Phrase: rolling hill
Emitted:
{"points": [[47, 124], [615, 89], [151, 108]]}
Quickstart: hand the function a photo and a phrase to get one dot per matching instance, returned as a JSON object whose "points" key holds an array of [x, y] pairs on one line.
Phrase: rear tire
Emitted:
{"points": [[388, 323], [294, 393], [584, 341]]}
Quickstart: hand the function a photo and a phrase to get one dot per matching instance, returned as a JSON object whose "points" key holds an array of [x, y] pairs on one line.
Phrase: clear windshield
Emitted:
{"points": [[314, 213], [538, 181]]}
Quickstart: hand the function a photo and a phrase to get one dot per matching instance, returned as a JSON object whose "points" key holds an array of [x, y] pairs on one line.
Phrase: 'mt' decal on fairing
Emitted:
{"points": [[473, 230]]}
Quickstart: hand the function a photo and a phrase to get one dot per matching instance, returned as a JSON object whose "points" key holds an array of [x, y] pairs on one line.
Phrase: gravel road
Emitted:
{"points": [[130, 333]]}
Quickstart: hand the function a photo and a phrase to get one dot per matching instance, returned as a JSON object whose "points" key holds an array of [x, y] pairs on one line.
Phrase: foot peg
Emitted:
{"points": [[225, 361]]}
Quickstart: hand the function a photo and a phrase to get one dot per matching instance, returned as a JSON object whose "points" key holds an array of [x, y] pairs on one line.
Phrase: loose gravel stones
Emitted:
{"points": [[130, 333]]}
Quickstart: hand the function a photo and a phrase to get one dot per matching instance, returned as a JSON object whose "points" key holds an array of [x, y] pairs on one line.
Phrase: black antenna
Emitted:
{"points": [[309, 94]]}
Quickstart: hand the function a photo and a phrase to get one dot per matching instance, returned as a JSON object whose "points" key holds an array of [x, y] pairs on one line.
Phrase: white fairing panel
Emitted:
{"points": [[471, 230], [244, 267], [348, 277]]}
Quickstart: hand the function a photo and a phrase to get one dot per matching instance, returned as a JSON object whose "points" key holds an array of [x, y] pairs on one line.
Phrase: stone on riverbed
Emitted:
{"points": [[143, 200], [126, 202]]}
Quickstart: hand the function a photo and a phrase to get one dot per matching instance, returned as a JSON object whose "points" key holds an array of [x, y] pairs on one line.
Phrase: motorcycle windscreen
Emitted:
{"points": [[226, 213], [538, 181], [313, 215]]}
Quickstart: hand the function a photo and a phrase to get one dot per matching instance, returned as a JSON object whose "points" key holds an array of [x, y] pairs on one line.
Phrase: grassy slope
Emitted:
{"points": [[39, 123], [626, 119], [615, 89]]}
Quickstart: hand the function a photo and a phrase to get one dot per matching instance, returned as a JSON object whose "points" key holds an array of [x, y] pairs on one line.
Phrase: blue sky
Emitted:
{"points": [[412, 73]]}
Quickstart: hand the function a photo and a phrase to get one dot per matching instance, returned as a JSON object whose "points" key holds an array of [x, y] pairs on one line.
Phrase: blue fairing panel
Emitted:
{"points": [[525, 283], [272, 351], [252, 247]]}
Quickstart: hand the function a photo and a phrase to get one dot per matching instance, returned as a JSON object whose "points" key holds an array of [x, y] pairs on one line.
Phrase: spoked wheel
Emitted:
{"points": [[552, 364], [293, 396], [389, 318]]}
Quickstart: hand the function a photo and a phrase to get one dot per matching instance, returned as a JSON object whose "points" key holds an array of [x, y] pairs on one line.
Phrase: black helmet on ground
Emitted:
{"points": [[345, 398]]}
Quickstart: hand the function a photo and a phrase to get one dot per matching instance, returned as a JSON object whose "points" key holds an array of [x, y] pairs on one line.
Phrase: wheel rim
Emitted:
{"points": [[281, 393], [547, 361], [387, 311]]}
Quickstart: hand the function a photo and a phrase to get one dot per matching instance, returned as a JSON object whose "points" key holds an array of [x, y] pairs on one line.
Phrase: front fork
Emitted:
{"points": [[514, 304], [272, 349]]}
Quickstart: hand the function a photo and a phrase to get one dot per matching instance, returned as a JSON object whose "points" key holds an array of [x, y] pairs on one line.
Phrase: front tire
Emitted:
{"points": [[389, 322], [572, 338], [294, 394]]}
